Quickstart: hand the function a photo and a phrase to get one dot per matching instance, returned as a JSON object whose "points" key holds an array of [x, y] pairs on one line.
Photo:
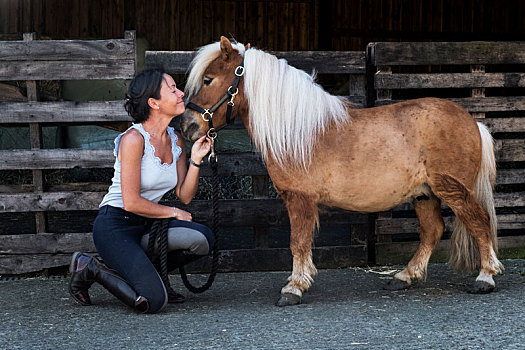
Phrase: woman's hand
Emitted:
{"points": [[200, 148], [182, 215]]}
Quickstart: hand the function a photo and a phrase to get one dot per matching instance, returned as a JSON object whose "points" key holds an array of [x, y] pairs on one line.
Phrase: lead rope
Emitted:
{"points": [[159, 237]]}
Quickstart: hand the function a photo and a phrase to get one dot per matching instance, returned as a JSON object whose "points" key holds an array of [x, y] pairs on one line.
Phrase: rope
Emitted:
{"points": [[215, 228], [158, 236]]}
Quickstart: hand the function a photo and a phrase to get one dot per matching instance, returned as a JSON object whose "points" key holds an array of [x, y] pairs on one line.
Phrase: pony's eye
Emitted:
{"points": [[207, 81]]}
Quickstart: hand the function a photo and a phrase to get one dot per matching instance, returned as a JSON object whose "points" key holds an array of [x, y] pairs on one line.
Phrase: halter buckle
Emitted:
{"points": [[203, 115], [241, 73]]}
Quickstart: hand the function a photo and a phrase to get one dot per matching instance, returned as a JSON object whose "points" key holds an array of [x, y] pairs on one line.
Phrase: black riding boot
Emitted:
{"points": [[86, 270]]}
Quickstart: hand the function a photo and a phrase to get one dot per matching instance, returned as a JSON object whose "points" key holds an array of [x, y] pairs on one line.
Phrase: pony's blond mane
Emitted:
{"points": [[288, 110]]}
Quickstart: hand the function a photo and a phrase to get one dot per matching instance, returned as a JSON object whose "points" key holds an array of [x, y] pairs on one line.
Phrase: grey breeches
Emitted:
{"points": [[185, 235]]}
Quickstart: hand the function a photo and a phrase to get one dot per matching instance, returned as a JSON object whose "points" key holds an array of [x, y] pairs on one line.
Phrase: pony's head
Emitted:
{"points": [[282, 107], [212, 73]]}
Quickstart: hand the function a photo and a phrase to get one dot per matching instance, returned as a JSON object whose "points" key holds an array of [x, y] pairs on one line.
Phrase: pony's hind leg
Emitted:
{"points": [[303, 214], [431, 227], [476, 220]]}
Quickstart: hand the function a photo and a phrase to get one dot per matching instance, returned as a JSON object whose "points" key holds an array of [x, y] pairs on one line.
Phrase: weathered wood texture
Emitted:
{"points": [[67, 112], [352, 63], [401, 252], [67, 59], [33, 60], [269, 259], [446, 53], [324, 62], [28, 251]]}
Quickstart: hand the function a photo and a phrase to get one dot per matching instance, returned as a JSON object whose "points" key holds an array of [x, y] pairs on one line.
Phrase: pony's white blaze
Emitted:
{"points": [[288, 110]]}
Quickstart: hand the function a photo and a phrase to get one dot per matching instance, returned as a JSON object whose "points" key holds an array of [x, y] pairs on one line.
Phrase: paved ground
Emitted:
{"points": [[345, 309]]}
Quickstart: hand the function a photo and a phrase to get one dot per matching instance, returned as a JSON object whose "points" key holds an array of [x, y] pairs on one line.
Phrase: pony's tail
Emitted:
{"points": [[464, 251]]}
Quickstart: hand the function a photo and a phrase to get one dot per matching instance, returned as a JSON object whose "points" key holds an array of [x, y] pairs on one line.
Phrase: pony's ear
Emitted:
{"points": [[226, 48], [248, 46]]}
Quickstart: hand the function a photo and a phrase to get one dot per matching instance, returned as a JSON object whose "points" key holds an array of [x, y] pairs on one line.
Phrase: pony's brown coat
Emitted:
{"points": [[379, 158]]}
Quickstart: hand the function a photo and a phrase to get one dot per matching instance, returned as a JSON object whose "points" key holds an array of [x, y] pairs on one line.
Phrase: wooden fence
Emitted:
{"points": [[402, 71], [487, 79], [51, 60], [265, 217]]}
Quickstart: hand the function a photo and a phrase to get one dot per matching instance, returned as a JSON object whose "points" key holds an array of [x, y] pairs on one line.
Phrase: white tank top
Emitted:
{"points": [[156, 178]]}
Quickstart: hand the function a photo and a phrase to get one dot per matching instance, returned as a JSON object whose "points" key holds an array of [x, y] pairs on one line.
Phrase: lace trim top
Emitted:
{"points": [[156, 178]]}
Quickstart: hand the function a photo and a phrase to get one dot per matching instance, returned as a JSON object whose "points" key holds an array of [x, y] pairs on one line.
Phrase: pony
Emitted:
{"points": [[320, 150]]}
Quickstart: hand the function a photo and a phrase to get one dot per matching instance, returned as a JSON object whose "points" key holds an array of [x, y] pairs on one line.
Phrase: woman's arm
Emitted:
{"points": [[130, 154], [188, 180]]}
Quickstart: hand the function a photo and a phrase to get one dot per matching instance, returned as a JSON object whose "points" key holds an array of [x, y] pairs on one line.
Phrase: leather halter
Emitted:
{"points": [[207, 114]]}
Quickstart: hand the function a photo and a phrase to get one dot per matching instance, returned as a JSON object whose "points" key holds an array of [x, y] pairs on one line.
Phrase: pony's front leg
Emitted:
{"points": [[303, 213]]}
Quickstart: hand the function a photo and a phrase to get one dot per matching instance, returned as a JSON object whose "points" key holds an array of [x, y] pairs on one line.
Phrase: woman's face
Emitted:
{"points": [[170, 97]]}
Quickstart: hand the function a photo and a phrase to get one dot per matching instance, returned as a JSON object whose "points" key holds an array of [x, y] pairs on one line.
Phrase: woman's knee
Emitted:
{"points": [[157, 298], [200, 246]]}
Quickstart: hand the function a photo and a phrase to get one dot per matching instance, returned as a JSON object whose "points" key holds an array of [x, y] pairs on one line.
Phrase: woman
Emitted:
{"points": [[150, 161]]}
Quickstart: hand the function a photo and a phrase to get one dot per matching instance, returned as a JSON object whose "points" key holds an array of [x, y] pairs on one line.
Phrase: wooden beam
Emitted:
{"points": [[63, 112], [271, 259], [230, 164], [324, 62], [448, 80], [447, 53]]}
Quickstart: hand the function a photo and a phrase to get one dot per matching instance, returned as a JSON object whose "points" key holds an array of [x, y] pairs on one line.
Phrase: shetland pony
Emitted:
{"points": [[319, 150]]}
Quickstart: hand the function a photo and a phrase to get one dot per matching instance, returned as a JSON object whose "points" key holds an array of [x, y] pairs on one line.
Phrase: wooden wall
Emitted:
{"points": [[268, 24]]}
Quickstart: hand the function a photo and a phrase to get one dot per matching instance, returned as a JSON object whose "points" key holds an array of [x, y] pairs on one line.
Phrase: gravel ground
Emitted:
{"points": [[344, 309]]}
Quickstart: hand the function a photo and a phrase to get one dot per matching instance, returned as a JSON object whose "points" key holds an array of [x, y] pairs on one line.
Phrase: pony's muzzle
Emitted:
{"points": [[190, 130]]}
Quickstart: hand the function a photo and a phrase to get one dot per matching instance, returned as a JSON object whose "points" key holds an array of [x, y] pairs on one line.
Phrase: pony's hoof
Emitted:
{"points": [[481, 287], [396, 284], [287, 299]]}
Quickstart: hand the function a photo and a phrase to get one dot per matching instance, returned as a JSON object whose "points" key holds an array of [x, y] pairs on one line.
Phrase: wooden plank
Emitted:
{"points": [[36, 142], [238, 260], [501, 200], [510, 150], [68, 50], [480, 104], [67, 70], [47, 243], [55, 159], [233, 212], [410, 225], [329, 62], [510, 176], [50, 201], [402, 252], [230, 164], [63, 112], [447, 53], [448, 80], [498, 125]]}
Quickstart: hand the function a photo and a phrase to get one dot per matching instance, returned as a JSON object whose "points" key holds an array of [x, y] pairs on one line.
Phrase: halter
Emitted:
{"points": [[207, 114]]}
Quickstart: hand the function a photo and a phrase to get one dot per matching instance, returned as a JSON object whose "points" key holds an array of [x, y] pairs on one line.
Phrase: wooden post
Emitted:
{"points": [[35, 134], [383, 94], [357, 89], [131, 34], [478, 92], [379, 237]]}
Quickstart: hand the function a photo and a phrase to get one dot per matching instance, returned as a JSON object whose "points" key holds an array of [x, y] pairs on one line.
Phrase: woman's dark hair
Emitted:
{"points": [[144, 86]]}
